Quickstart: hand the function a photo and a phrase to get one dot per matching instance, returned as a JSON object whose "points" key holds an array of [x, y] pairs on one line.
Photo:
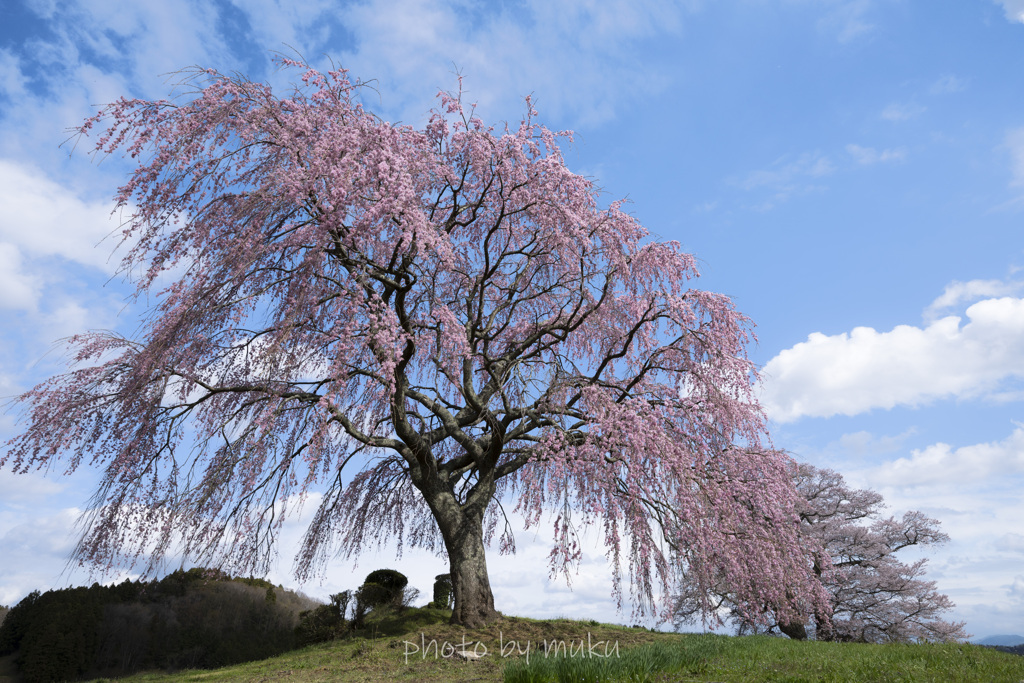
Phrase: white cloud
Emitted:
{"points": [[1014, 142], [1014, 9], [848, 20], [92, 52], [160, 37], [35, 547], [852, 373], [572, 56], [18, 290], [44, 218], [901, 112], [868, 155], [1013, 543], [942, 463], [68, 317], [277, 23], [784, 173], [788, 177], [958, 292], [863, 443], [20, 490], [947, 84], [1016, 589], [12, 80], [37, 539]]}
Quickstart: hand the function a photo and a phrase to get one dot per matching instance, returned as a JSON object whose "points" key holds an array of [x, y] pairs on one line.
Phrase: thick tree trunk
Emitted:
{"points": [[794, 630], [474, 602], [462, 529]]}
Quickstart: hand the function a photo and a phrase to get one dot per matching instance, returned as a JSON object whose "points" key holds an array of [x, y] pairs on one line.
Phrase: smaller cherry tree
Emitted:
{"points": [[852, 550]]}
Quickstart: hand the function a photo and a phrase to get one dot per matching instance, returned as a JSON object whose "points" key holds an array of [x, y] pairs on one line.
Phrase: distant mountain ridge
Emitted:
{"points": [[1004, 640]]}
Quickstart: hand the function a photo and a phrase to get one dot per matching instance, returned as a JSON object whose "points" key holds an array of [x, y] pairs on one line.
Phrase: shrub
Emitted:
{"points": [[394, 583], [371, 596], [319, 625]]}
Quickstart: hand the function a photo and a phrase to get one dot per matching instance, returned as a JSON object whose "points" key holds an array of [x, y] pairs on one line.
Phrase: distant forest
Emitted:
{"points": [[189, 619]]}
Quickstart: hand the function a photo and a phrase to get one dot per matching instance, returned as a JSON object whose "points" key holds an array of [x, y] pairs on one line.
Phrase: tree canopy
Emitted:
{"points": [[406, 327]]}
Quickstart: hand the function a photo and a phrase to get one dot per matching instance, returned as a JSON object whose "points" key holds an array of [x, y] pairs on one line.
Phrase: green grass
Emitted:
{"points": [[399, 648]]}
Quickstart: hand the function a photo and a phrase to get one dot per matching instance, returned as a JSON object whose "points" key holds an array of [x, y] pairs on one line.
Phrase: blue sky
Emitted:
{"points": [[851, 172]]}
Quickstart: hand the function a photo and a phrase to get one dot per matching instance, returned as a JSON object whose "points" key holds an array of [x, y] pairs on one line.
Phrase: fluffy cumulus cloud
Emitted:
{"points": [[18, 290], [973, 489], [942, 464], [43, 218], [957, 293], [851, 373]]}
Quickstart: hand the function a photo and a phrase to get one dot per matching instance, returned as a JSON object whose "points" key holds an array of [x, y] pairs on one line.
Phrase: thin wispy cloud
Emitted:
{"points": [[867, 156], [848, 20], [947, 84], [901, 112], [787, 177], [571, 56], [1014, 9], [783, 173], [1014, 143]]}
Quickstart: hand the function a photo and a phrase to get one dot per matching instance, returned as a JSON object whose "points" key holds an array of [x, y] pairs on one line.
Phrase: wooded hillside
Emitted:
{"points": [[188, 619]]}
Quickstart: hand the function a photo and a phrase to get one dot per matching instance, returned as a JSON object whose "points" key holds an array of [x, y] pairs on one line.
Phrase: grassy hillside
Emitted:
{"points": [[392, 649]]}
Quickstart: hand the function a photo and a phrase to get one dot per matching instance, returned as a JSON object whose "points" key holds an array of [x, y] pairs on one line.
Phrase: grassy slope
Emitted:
{"points": [[378, 654]]}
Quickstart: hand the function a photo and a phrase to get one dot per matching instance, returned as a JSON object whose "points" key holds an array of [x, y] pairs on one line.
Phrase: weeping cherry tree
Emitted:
{"points": [[418, 333]]}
